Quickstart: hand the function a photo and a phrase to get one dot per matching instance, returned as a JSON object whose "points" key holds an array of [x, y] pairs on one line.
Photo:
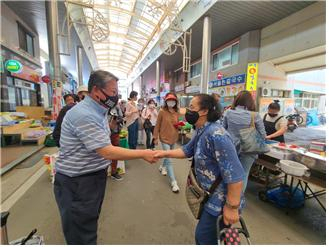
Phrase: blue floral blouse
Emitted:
{"points": [[214, 155]]}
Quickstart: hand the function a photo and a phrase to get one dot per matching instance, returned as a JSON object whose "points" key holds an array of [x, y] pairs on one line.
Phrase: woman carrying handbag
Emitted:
{"points": [[244, 124], [214, 184]]}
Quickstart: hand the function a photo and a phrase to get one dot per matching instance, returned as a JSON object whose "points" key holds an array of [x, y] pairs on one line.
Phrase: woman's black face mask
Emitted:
{"points": [[192, 116], [273, 114]]}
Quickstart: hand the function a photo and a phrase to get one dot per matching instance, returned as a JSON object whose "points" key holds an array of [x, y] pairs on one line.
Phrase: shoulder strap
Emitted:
{"points": [[278, 119], [252, 123], [264, 117], [215, 184]]}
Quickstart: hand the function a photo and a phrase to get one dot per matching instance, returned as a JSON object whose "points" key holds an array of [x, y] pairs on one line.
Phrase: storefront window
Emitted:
{"points": [[195, 70], [11, 95], [25, 40], [25, 97], [10, 81], [235, 54], [226, 57]]}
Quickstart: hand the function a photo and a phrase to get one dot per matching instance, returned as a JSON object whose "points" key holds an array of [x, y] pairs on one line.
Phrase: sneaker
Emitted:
{"points": [[164, 171], [174, 187], [116, 176]]}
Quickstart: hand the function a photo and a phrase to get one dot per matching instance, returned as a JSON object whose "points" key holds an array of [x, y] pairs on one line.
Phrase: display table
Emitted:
{"points": [[266, 166], [16, 128]]}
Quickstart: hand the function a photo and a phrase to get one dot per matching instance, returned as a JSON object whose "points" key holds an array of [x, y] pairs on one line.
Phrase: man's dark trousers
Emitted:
{"points": [[79, 200]]}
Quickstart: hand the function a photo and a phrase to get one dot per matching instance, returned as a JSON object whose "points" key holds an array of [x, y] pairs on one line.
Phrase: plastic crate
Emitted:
{"points": [[281, 197]]}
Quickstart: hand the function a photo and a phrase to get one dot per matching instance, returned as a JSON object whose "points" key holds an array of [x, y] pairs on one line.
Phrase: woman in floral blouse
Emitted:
{"points": [[215, 155]]}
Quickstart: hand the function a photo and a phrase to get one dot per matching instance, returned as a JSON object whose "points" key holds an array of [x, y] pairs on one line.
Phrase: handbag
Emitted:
{"points": [[147, 124], [251, 141], [196, 196]]}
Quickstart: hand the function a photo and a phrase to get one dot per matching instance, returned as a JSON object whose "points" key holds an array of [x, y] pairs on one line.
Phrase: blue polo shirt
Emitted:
{"points": [[84, 130], [215, 155]]}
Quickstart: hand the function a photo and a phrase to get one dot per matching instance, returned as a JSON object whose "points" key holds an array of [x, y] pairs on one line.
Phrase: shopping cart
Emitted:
{"points": [[30, 239], [224, 234]]}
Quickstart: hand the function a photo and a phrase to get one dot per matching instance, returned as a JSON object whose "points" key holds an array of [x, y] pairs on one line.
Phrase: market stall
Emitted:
{"points": [[291, 175]]}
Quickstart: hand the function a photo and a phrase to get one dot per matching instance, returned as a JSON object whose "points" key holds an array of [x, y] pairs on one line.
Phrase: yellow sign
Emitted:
{"points": [[252, 76]]}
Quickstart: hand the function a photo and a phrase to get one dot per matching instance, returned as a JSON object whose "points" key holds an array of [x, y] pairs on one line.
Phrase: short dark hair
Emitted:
{"points": [[176, 106], [245, 99], [274, 105], [133, 94], [69, 95], [208, 102], [99, 78], [151, 101]]}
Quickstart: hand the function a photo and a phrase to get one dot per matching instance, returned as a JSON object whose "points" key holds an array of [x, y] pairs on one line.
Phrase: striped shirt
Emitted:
{"points": [[84, 129]]}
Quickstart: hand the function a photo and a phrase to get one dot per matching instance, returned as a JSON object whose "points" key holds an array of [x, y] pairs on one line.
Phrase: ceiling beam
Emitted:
{"points": [[155, 30], [110, 68], [119, 44], [116, 64], [126, 61], [124, 11], [124, 36], [136, 30], [115, 52]]}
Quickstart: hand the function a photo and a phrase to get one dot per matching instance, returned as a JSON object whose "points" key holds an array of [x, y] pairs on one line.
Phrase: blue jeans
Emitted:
{"points": [[133, 135], [206, 229], [149, 141], [167, 162], [246, 161]]}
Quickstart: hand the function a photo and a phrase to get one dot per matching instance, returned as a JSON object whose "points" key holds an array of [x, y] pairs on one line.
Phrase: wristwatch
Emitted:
{"points": [[227, 204]]}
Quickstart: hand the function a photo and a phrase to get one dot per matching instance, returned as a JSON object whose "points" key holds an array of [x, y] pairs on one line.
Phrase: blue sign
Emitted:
{"points": [[236, 79]]}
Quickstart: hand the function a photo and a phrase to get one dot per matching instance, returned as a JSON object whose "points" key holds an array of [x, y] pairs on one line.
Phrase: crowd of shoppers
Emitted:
{"points": [[88, 136]]}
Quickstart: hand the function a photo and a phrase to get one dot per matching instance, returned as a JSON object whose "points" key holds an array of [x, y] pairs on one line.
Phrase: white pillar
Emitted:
{"points": [[52, 29], [206, 49], [79, 63], [157, 80]]}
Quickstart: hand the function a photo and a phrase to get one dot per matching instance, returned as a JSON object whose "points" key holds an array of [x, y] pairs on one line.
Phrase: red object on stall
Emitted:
{"points": [[45, 78], [219, 76]]}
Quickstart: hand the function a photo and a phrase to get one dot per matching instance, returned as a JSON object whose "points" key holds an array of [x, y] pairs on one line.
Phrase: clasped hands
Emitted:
{"points": [[152, 156]]}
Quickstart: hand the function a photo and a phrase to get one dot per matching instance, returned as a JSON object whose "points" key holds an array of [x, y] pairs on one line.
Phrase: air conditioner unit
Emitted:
{"points": [[265, 92]]}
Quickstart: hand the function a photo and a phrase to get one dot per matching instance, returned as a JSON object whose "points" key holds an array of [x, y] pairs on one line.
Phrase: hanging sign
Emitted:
{"points": [[237, 79], [57, 98], [45, 79], [252, 76], [13, 66]]}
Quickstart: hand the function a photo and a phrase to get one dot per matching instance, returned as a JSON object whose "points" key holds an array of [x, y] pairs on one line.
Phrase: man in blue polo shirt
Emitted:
{"points": [[84, 156]]}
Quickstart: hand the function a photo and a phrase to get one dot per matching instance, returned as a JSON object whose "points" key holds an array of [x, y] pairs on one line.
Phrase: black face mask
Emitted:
{"points": [[110, 101], [272, 114], [192, 116]]}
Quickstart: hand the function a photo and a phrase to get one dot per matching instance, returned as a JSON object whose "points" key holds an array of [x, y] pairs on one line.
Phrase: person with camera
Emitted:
{"points": [[115, 118]]}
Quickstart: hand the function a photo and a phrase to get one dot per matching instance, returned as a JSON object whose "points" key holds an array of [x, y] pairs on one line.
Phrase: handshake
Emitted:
{"points": [[153, 156]]}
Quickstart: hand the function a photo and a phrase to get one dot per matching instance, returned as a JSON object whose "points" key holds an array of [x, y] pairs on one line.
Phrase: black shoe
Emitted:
{"points": [[117, 177]]}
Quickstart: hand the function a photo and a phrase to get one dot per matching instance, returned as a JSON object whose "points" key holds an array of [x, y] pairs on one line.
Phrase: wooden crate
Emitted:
{"points": [[38, 141], [34, 112], [17, 128]]}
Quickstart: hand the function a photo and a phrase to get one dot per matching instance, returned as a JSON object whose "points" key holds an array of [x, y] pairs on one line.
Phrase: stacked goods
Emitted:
{"points": [[318, 148]]}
